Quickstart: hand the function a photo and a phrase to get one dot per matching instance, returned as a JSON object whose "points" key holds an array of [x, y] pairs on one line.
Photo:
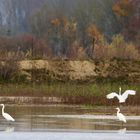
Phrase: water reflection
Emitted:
{"points": [[122, 131], [10, 129], [46, 118]]}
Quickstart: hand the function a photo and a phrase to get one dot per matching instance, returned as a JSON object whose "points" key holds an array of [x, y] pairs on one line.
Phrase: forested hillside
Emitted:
{"points": [[74, 29]]}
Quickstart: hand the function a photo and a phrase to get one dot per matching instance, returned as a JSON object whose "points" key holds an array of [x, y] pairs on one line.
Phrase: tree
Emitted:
{"points": [[122, 8], [94, 34], [55, 27], [15, 14], [128, 13]]}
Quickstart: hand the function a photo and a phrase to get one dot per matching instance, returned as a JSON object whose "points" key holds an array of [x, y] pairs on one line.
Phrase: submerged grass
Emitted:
{"points": [[92, 94]]}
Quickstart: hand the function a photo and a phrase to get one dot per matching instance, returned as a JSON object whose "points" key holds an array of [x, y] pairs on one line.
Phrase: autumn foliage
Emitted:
{"points": [[82, 34], [123, 8], [128, 15]]}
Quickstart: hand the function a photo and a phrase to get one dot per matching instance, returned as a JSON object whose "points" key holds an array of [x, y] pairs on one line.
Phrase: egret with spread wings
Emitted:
{"points": [[121, 97]]}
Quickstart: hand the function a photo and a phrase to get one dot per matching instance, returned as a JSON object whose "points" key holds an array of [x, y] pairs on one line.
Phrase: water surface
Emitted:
{"points": [[44, 118], [74, 121]]}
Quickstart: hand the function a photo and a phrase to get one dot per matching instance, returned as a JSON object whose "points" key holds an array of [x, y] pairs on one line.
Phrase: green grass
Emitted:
{"points": [[77, 93]]}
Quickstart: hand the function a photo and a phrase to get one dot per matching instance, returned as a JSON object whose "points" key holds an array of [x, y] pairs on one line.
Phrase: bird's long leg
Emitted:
{"points": [[120, 105], [122, 124], [9, 123]]}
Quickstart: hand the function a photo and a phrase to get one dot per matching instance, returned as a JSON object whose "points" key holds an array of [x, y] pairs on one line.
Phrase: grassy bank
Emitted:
{"points": [[92, 94]]}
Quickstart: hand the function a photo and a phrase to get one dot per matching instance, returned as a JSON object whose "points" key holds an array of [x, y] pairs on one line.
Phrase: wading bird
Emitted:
{"points": [[6, 115], [121, 97], [120, 116]]}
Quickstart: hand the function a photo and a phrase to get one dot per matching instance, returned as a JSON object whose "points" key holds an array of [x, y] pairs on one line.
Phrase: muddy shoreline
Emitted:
{"points": [[45, 100], [31, 100]]}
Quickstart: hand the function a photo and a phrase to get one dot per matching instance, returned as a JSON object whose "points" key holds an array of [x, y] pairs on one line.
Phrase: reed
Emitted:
{"points": [[91, 94]]}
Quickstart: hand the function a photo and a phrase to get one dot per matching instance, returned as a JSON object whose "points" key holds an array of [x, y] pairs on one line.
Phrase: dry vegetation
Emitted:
{"points": [[29, 48]]}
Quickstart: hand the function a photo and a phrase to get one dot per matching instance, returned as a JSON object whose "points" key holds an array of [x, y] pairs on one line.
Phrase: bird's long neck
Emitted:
{"points": [[118, 111], [120, 91], [2, 109]]}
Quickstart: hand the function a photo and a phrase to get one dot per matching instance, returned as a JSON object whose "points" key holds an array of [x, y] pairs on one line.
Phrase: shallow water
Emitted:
{"points": [[59, 120]]}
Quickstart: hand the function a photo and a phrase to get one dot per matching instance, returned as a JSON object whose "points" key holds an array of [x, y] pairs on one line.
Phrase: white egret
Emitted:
{"points": [[120, 116], [6, 115], [121, 97]]}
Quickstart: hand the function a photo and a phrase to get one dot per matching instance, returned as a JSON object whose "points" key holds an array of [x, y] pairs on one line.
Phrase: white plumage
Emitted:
{"points": [[6, 115], [121, 97], [120, 116]]}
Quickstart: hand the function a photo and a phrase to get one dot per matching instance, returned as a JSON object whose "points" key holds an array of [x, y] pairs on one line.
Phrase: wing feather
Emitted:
{"points": [[8, 117], [128, 92], [122, 117], [112, 95]]}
